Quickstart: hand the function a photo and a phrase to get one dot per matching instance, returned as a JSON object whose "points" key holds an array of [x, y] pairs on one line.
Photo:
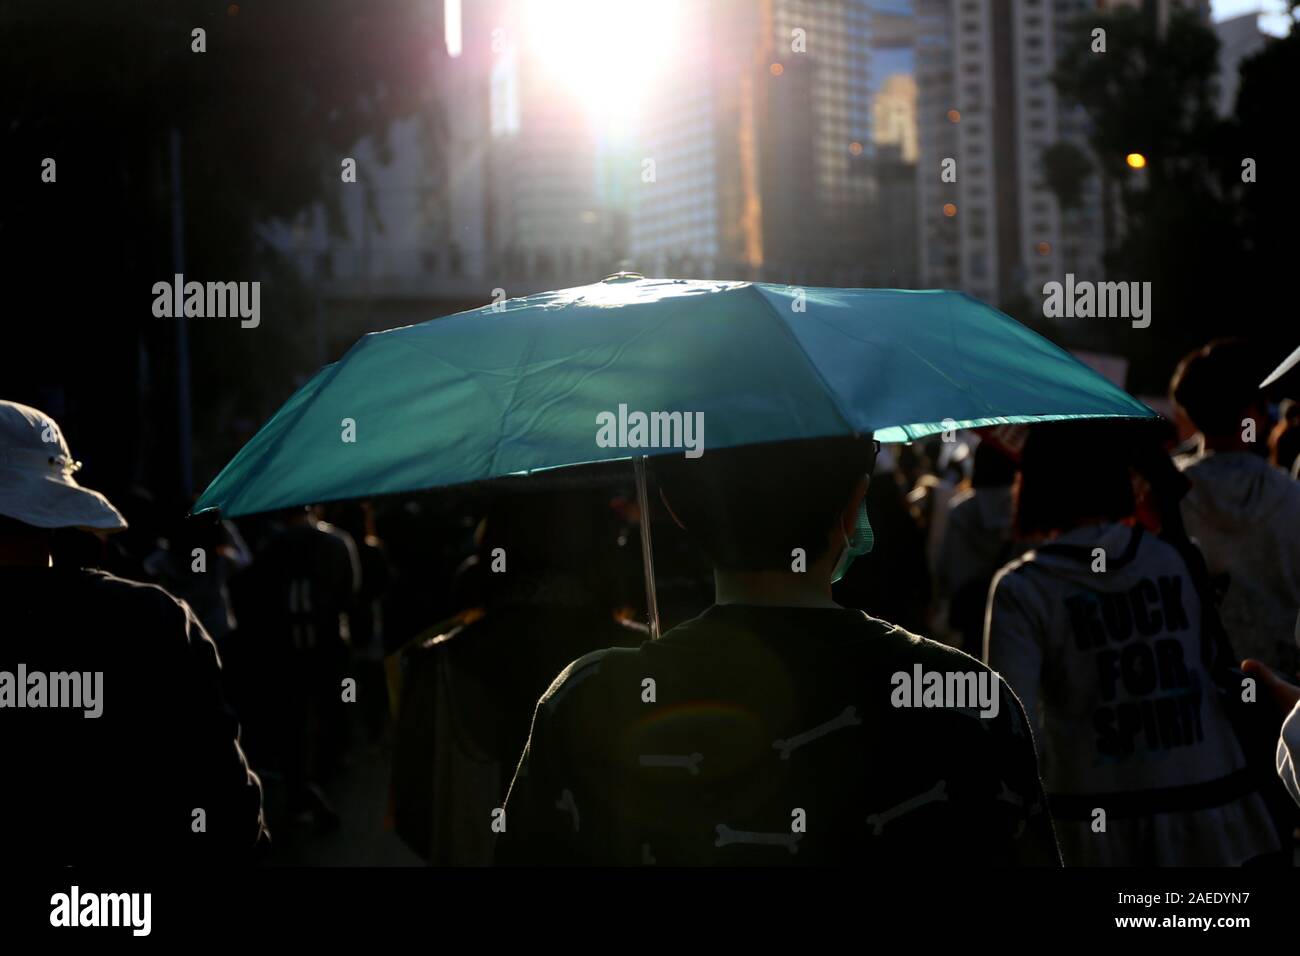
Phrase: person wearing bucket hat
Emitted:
{"points": [[37, 483], [111, 710]]}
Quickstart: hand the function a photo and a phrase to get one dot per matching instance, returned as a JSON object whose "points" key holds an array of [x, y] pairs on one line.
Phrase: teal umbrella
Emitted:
{"points": [[559, 378], [518, 387]]}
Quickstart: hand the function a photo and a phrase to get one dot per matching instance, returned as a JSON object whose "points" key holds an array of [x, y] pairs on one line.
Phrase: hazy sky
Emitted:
{"points": [[1274, 21]]}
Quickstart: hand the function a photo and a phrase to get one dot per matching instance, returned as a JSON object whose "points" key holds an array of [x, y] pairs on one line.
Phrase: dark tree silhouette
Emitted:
{"points": [[1210, 243], [264, 117]]}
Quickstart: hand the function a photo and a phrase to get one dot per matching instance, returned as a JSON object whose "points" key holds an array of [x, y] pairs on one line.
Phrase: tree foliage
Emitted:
{"points": [[1210, 243], [265, 117]]}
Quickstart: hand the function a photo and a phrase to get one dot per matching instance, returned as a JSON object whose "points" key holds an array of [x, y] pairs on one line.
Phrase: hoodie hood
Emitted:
{"points": [[1244, 512], [1232, 489], [1074, 555]]}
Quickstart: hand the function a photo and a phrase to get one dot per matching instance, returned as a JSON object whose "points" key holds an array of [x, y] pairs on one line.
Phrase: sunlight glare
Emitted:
{"points": [[606, 53]]}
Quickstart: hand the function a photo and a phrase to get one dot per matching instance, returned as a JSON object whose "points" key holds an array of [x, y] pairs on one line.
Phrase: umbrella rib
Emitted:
{"points": [[326, 374], [525, 361], [956, 384], [794, 339]]}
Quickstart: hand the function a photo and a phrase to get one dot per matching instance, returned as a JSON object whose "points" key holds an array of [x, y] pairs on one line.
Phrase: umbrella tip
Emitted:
{"points": [[623, 277]]}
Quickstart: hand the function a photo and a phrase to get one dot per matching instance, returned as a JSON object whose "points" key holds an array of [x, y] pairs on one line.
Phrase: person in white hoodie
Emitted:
{"points": [[1098, 630], [1243, 511]]}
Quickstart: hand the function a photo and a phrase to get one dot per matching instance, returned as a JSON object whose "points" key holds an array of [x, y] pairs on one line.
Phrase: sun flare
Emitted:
{"points": [[608, 54]]}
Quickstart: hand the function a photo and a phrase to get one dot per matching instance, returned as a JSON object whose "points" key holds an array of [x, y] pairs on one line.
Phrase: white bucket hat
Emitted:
{"points": [[36, 469]]}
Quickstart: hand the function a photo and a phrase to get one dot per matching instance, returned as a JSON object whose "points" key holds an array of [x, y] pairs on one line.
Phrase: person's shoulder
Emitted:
{"points": [[1015, 575], [1280, 480], [1021, 583], [961, 502], [140, 593], [911, 651], [332, 535], [577, 678], [1021, 566], [149, 609], [930, 654]]}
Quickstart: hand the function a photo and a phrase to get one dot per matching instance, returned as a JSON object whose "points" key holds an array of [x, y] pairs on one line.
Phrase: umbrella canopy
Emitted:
{"points": [[529, 384]]}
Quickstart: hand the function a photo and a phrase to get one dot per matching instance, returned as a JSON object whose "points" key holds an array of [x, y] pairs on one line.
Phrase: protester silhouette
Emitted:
{"points": [[1242, 510], [770, 729], [976, 542], [304, 582], [542, 591], [157, 774]]}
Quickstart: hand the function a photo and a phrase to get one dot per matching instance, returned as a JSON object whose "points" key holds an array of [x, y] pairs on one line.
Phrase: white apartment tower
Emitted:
{"points": [[1008, 236], [991, 62]]}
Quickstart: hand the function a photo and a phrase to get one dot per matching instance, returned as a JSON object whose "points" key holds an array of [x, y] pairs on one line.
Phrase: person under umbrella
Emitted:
{"points": [[775, 728]]}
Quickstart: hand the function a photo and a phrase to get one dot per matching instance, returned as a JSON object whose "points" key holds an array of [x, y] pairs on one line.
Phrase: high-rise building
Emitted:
{"points": [[779, 152], [409, 238], [815, 111], [549, 222], [893, 222], [986, 100], [693, 185], [499, 182], [894, 116], [939, 252], [995, 58]]}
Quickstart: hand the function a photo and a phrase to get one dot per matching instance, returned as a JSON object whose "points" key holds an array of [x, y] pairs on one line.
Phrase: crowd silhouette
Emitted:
{"points": [[1115, 575]]}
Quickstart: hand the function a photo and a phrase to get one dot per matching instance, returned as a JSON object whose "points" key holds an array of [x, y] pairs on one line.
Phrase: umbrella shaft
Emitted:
{"points": [[647, 552]]}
